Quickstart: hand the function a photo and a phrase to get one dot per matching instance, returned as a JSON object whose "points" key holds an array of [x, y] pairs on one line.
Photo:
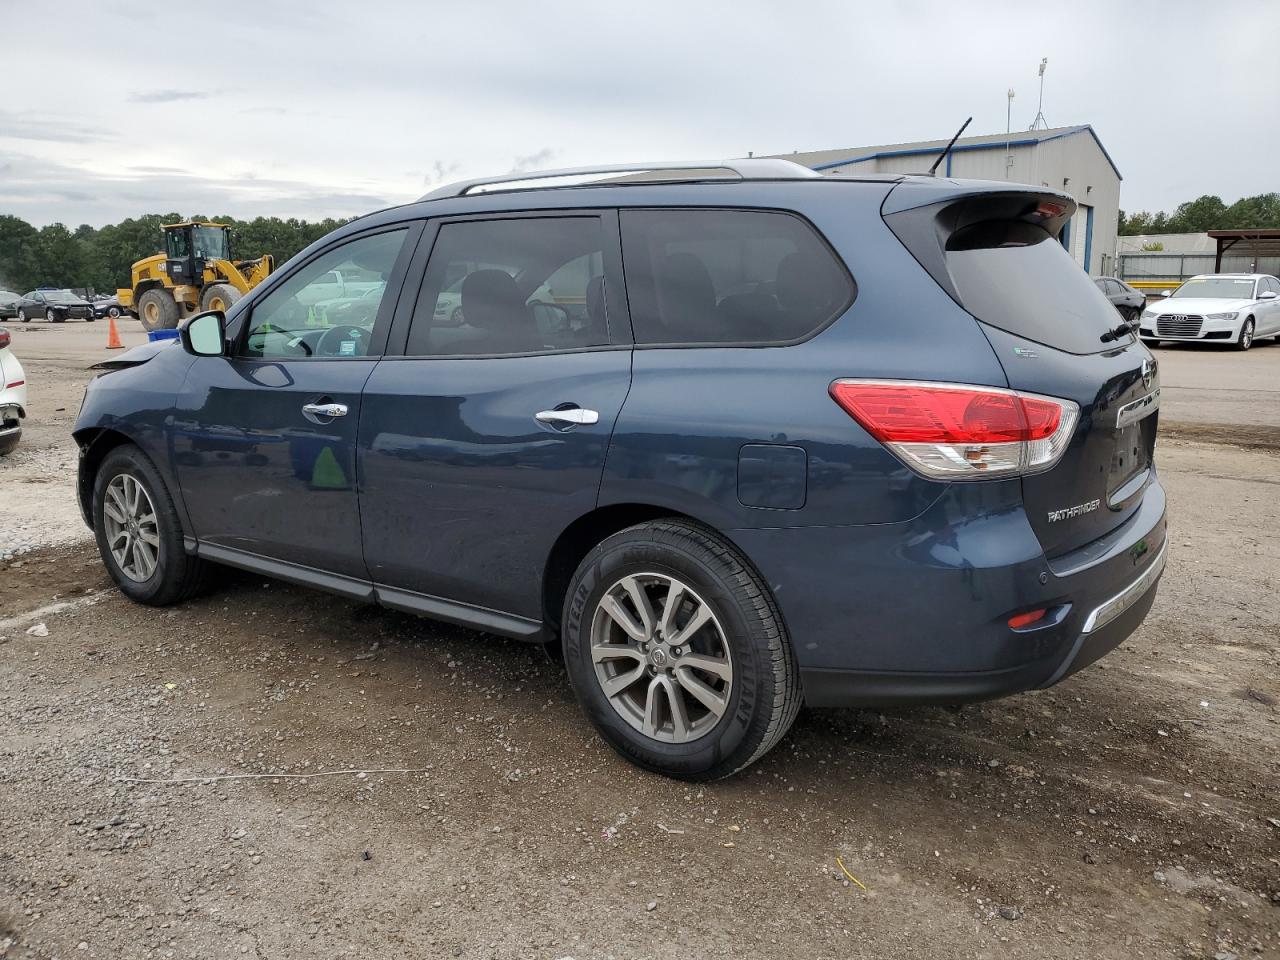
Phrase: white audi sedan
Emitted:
{"points": [[1235, 308]]}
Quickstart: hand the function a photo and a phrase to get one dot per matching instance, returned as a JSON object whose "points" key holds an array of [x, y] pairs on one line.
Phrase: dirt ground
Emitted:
{"points": [[172, 782]]}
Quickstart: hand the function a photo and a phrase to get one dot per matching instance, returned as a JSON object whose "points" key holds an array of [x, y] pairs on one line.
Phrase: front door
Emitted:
{"points": [[487, 438], [265, 439]]}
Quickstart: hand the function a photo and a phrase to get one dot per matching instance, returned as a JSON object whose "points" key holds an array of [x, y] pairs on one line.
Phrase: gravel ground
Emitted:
{"points": [[172, 782]]}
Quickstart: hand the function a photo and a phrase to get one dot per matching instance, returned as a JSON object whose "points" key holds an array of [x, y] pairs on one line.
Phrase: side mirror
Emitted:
{"points": [[205, 334], [1267, 295], [1166, 293]]}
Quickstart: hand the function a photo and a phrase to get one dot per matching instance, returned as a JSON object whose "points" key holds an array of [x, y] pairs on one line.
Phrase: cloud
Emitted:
{"points": [[29, 126], [167, 96], [540, 160], [45, 191]]}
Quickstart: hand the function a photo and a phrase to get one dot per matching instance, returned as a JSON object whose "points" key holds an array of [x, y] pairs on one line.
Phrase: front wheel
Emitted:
{"points": [[138, 531], [22, 316], [113, 313], [157, 310], [52, 317], [676, 652], [9, 441], [1245, 340]]}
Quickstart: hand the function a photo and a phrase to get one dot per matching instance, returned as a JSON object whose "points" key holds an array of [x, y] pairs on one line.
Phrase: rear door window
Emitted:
{"points": [[523, 285], [1015, 276], [729, 276]]}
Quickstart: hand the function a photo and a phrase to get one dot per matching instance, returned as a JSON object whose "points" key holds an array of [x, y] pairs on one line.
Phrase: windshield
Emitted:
{"points": [[210, 243], [59, 296], [1219, 288]]}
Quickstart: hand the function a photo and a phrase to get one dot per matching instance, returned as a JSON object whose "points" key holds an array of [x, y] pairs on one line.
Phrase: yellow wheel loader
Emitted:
{"points": [[194, 273]]}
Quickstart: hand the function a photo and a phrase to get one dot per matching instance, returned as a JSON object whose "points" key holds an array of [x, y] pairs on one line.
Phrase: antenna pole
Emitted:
{"points": [[943, 155], [1040, 123]]}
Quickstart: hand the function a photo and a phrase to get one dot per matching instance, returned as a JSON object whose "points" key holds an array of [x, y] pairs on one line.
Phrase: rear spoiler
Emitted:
{"points": [[925, 213]]}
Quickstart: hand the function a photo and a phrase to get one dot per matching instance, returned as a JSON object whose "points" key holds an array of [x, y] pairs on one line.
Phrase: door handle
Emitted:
{"points": [[325, 409], [570, 417]]}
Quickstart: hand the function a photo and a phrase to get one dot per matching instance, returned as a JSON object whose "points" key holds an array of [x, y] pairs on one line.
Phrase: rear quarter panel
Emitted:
{"points": [[690, 410]]}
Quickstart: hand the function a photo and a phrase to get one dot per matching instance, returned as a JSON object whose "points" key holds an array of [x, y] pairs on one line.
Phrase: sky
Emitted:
{"points": [[115, 108]]}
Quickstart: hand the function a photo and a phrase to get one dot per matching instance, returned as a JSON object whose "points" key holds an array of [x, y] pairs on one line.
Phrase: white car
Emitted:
{"points": [[13, 395], [1235, 308]]}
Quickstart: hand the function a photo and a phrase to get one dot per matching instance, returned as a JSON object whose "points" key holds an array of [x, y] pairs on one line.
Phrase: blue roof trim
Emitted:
{"points": [[961, 147]]}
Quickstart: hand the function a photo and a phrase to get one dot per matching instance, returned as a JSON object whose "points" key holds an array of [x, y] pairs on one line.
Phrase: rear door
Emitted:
{"points": [[1053, 332], [486, 436]]}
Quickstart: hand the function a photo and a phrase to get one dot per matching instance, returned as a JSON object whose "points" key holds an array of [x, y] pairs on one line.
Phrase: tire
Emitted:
{"points": [[1245, 340], [52, 317], [7, 443], [158, 310], [22, 316], [755, 682], [175, 575], [113, 313], [219, 296]]}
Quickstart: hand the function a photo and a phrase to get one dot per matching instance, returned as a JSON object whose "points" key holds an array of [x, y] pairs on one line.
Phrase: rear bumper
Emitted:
{"points": [[918, 612], [844, 688]]}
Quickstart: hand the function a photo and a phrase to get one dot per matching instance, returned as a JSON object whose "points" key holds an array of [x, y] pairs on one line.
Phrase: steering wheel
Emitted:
{"points": [[333, 341]]}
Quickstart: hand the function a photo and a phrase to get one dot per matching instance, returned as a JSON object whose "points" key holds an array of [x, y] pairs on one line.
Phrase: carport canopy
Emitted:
{"points": [[1257, 243]]}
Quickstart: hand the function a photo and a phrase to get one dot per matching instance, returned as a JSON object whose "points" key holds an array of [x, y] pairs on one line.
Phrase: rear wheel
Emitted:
{"points": [[158, 310], [113, 312], [138, 531], [677, 653], [1245, 340], [219, 296]]}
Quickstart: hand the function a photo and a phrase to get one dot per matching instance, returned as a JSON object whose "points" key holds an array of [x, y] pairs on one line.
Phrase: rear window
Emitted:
{"points": [[1017, 277], [728, 276]]}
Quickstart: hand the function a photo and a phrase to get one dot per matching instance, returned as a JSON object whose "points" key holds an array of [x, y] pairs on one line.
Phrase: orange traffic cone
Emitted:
{"points": [[113, 336]]}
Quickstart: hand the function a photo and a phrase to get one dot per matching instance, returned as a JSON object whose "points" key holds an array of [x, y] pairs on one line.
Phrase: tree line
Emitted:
{"points": [[1206, 213], [100, 258]]}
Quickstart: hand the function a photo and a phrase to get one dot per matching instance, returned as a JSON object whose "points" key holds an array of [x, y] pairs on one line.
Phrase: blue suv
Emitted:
{"points": [[737, 436]]}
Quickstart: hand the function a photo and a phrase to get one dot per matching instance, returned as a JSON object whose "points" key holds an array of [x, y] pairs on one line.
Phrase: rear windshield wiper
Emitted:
{"points": [[1116, 332]]}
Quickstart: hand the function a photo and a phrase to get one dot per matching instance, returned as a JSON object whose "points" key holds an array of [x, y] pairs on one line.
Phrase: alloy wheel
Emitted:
{"points": [[661, 657], [133, 536]]}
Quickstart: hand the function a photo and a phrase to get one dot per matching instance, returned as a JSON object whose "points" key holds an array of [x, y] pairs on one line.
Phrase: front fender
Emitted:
{"points": [[132, 404]]}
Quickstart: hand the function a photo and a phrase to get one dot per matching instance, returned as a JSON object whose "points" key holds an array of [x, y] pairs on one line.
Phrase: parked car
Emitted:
{"points": [[9, 304], [1127, 301], [792, 409], [1235, 308], [13, 394], [107, 307], [56, 306]]}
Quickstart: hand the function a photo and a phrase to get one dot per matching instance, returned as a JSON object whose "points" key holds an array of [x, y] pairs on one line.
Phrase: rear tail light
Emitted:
{"points": [[5, 338], [956, 432]]}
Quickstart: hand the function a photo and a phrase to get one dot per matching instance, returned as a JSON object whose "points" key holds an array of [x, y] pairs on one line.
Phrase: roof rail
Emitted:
{"points": [[761, 168]]}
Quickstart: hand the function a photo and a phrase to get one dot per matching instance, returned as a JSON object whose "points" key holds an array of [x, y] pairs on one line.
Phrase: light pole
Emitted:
{"points": [[1040, 123], [1008, 133]]}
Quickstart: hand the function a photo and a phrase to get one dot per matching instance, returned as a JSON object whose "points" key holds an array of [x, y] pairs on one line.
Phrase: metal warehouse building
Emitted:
{"points": [[1070, 159]]}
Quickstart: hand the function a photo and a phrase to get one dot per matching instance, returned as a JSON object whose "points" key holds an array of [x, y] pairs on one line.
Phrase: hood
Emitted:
{"points": [[1199, 305], [137, 355]]}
